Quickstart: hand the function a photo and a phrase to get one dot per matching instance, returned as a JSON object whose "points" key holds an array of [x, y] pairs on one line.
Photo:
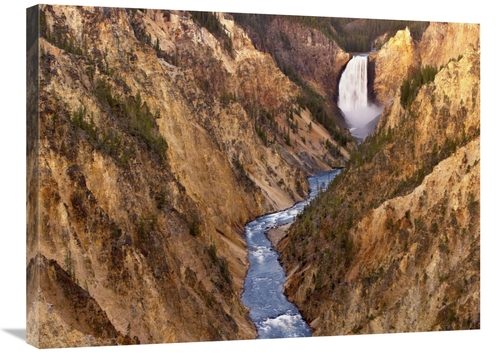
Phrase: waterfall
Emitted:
{"points": [[353, 86], [360, 115]]}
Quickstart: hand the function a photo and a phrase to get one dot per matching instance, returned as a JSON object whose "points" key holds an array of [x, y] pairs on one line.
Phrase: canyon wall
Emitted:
{"points": [[315, 58], [393, 245], [158, 140], [391, 63], [402, 54]]}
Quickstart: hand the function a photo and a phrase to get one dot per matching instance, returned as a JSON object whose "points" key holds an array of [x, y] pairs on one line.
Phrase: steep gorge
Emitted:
{"points": [[393, 244], [161, 133], [158, 140]]}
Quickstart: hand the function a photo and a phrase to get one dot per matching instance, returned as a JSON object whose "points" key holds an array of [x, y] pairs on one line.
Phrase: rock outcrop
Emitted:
{"points": [[392, 63], [436, 50], [68, 311], [393, 245], [402, 54]]}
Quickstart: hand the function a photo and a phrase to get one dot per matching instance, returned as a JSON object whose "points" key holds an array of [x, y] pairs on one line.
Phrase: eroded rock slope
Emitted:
{"points": [[393, 245], [158, 140]]}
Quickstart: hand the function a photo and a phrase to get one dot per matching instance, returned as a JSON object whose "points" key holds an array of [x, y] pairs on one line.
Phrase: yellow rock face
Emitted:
{"points": [[440, 43], [391, 65], [149, 166], [437, 50]]}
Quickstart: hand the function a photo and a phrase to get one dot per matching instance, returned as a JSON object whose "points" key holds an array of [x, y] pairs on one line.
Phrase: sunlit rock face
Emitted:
{"points": [[392, 63], [436, 50], [440, 43]]}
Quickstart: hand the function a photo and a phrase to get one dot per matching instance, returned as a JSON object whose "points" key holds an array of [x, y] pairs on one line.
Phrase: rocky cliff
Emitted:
{"points": [[391, 64], [158, 140], [402, 54], [436, 50], [393, 245], [308, 52]]}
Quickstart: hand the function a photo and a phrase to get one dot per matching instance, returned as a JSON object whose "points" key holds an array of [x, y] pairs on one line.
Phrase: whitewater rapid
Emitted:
{"points": [[271, 312]]}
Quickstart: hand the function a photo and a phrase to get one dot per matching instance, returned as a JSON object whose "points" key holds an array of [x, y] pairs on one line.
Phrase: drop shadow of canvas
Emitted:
{"points": [[17, 332]]}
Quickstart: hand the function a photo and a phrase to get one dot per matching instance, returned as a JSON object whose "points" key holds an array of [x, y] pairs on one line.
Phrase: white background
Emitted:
{"points": [[12, 193]]}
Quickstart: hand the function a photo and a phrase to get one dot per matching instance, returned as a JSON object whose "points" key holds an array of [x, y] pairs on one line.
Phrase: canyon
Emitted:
{"points": [[154, 136]]}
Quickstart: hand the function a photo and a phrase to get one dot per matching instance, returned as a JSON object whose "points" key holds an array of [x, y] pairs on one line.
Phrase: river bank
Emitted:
{"points": [[275, 235]]}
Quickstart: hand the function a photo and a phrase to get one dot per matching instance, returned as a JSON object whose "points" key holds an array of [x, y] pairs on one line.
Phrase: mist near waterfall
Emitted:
{"points": [[360, 115]]}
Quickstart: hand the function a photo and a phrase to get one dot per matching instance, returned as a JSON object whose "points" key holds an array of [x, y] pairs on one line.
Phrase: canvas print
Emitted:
{"points": [[203, 176]]}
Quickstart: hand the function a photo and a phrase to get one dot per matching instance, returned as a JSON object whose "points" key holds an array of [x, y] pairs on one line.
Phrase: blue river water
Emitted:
{"points": [[273, 315]]}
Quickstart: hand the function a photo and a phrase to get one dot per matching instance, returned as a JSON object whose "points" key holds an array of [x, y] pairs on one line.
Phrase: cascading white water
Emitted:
{"points": [[353, 86], [353, 97]]}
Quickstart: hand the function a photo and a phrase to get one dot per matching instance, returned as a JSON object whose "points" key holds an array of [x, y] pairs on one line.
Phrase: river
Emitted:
{"points": [[273, 315]]}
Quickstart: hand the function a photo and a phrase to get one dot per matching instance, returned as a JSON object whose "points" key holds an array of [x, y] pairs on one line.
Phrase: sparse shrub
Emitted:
{"points": [[221, 263], [134, 115], [357, 329], [194, 226]]}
